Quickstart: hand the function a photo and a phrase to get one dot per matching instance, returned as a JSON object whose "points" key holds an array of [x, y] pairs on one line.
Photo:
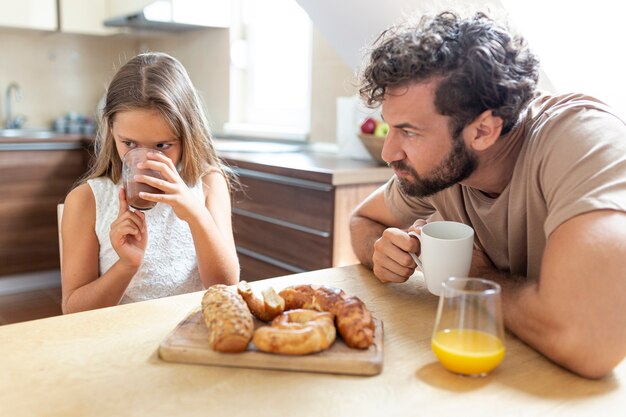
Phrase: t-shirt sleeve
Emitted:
{"points": [[406, 209], [583, 167]]}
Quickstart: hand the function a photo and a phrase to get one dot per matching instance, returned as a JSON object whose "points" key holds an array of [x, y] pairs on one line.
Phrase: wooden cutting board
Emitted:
{"points": [[188, 343]]}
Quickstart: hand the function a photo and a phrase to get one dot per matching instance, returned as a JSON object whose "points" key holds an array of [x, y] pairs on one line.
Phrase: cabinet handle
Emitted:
{"points": [[280, 179], [269, 260], [283, 223]]}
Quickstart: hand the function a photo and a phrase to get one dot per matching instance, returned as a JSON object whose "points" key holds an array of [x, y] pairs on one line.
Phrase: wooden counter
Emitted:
{"points": [[313, 166], [55, 141], [105, 363]]}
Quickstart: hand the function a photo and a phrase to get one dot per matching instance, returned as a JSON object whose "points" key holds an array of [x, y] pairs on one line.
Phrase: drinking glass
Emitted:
{"points": [[132, 187], [468, 337]]}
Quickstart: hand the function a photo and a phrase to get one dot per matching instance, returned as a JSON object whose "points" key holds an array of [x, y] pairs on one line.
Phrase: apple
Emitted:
{"points": [[381, 129], [368, 126]]}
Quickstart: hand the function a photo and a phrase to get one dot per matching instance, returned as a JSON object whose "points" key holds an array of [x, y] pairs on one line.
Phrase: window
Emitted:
{"points": [[270, 70]]}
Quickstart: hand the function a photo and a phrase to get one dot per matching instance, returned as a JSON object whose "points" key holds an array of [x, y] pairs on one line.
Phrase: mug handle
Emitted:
{"points": [[414, 256]]}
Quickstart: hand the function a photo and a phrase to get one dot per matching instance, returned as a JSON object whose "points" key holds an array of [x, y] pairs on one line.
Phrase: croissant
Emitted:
{"points": [[354, 321]]}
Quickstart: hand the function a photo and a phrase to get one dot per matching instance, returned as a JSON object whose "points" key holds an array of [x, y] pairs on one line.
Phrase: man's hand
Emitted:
{"points": [[391, 259]]}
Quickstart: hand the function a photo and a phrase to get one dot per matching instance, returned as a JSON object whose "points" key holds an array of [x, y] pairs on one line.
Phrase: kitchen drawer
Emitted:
{"points": [[286, 243], [306, 203], [256, 266], [32, 183]]}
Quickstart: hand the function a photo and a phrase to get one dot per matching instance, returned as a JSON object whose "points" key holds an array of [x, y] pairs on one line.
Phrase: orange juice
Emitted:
{"points": [[467, 351]]}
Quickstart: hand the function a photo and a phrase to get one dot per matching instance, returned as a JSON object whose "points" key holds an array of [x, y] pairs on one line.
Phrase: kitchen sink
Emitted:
{"points": [[28, 133]]}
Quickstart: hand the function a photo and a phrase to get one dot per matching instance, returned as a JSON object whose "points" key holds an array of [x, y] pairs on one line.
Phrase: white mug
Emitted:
{"points": [[446, 252]]}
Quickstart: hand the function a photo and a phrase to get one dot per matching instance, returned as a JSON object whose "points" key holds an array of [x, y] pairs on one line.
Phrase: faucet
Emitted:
{"points": [[17, 121]]}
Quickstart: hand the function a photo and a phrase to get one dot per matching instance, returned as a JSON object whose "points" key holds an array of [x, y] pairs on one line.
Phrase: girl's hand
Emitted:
{"points": [[185, 204], [129, 235]]}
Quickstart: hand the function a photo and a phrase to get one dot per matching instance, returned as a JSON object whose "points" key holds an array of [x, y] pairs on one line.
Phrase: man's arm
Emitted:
{"points": [[574, 314], [378, 241]]}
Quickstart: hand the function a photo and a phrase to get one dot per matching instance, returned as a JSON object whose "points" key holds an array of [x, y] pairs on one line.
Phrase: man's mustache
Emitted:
{"points": [[399, 165]]}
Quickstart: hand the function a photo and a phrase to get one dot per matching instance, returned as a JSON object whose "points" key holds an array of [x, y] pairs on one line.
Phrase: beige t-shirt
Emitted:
{"points": [[572, 161]]}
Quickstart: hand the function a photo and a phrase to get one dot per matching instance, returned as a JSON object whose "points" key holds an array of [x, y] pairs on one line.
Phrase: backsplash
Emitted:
{"points": [[57, 73], [60, 73]]}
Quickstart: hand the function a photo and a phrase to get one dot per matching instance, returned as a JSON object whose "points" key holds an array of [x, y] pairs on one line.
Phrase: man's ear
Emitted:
{"points": [[485, 130]]}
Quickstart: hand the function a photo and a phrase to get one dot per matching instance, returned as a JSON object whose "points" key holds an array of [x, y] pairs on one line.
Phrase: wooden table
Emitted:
{"points": [[105, 363]]}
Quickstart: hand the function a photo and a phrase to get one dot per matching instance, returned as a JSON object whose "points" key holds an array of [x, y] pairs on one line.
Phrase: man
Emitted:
{"points": [[541, 179]]}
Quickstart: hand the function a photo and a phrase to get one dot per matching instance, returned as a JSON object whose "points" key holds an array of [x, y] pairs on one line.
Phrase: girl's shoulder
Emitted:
{"points": [[101, 184], [85, 195], [214, 181], [79, 206], [80, 197]]}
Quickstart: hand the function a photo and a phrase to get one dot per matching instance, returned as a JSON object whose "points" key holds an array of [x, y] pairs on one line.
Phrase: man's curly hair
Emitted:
{"points": [[482, 66]]}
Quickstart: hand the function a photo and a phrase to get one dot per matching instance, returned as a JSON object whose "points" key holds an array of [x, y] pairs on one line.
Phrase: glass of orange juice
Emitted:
{"points": [[468, 337]]}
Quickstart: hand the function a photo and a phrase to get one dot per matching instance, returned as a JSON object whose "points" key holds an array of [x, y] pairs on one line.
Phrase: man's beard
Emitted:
{"points": [[457, 166]]}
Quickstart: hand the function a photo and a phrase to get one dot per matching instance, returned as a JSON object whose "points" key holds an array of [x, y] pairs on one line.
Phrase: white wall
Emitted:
{"points": [[58, 72], [351, 25], [580, 44]]}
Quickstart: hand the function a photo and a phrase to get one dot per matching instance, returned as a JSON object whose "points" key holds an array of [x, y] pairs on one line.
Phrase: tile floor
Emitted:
{"points": [[30, 305]]}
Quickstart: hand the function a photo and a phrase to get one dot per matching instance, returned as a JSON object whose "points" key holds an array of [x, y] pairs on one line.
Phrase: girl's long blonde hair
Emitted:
{"points": [[157, 81]]}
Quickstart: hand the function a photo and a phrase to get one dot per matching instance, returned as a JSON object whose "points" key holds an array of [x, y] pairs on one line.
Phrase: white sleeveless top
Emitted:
{"points": [[169, 265]]}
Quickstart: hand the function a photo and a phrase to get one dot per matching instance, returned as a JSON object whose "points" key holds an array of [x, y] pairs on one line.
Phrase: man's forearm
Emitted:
{"points": [[517, 293], [364, 232], [524, 313], [534, 318], [573, 313]]}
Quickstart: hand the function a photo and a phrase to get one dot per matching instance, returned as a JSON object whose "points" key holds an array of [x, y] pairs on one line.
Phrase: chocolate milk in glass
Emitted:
{"points": [[133, 188]]}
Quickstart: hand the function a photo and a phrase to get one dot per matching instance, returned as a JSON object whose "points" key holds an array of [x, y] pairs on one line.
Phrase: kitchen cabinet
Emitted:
{"points": [[85, 17], [291, 212], [35, 175], [29, 14]]}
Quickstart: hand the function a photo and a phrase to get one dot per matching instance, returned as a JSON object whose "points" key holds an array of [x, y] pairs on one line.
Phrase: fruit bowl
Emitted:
{"points": [[374, 145]]}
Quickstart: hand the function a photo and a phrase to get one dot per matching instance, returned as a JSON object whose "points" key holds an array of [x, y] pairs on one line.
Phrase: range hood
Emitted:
{"points": [[176, 15]]}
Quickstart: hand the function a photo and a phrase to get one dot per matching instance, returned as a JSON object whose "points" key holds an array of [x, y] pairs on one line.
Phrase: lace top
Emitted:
{"points": [[169, 265]]}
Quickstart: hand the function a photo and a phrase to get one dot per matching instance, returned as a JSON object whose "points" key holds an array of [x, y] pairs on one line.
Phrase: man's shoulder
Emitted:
{"points": [[547, 108], [572, 120]]}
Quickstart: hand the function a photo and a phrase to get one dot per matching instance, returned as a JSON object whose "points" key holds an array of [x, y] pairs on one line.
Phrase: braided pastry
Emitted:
{"points": [[297, 332], [354, 320], [228, 319]]}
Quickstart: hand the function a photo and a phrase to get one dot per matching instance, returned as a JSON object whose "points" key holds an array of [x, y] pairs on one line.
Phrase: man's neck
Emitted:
{"points": [[496, 164]]}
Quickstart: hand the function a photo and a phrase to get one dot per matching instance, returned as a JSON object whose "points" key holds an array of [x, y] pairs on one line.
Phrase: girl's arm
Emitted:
{"points": [[83, 288], [213, 234], [209, 220]]}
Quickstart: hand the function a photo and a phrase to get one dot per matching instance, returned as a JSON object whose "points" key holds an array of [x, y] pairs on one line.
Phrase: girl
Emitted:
{"points": [[112, 254]]}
